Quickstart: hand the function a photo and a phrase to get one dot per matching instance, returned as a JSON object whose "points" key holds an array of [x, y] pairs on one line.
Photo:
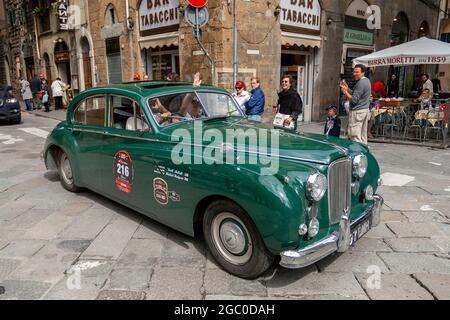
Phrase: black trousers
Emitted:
{"points": [[58, 103]]}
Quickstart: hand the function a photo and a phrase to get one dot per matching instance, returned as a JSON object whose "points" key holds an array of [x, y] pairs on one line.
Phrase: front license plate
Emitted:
{"points": [[361, 229]]}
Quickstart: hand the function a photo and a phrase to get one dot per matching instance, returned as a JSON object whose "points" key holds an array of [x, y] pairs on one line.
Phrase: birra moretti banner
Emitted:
{"points": [[302, 14], [420, 51], [158, 16]]}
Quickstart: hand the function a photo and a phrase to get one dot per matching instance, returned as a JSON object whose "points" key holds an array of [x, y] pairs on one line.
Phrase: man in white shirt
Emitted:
{"points": [[58, 93], [428, 84], [241, 95]]}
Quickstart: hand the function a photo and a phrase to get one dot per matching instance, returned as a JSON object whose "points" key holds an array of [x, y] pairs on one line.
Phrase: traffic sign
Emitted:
{"points": [[197, 17], [198, 3]]}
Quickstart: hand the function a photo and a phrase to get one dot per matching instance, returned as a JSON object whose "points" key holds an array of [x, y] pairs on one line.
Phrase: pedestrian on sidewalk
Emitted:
{"points": [[289, 102], [58, 93], [333, 125], [255, 106], [359, 98], [241, 94], [35, 89], [45, 95], [27, 95]]}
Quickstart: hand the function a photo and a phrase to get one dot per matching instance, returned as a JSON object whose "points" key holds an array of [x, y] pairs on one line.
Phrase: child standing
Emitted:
{"points": [[333, 125]]}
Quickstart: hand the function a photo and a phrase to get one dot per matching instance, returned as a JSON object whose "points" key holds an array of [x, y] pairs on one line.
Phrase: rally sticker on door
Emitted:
{"points": [[161, 191], [123, 171]]}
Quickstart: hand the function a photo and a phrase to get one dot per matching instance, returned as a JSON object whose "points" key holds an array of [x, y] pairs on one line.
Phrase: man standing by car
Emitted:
{"points": [[255, 106], [359, 98]]}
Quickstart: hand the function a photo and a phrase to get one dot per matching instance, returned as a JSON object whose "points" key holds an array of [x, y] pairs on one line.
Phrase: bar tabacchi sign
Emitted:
{"points": [[158, 16]]}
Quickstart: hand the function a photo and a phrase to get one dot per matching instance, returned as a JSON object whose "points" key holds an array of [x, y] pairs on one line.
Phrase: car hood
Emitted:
{"points": [[314, 148]]}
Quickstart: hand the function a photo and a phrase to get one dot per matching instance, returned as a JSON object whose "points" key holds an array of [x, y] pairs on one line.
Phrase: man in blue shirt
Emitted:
{"points": [[255, 106]]}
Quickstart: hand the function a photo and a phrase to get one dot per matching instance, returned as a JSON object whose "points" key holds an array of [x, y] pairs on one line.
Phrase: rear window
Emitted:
{"points": [[91, 111]]}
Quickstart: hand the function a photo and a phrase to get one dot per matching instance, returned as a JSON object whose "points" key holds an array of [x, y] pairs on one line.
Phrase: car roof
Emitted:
{"points": [[147, 88]]}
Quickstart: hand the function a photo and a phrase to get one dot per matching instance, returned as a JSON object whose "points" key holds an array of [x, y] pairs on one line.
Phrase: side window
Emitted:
{"points": [[175, 108], [127, 115], [91, 111]]}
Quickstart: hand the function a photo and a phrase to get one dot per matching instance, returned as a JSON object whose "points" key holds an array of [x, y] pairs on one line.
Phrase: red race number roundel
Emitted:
{"points": [[198, 3], [123, 171]]}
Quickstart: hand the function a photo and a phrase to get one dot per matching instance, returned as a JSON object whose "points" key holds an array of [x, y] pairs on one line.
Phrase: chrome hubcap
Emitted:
{"points": [[231, 238], [66, 170]]}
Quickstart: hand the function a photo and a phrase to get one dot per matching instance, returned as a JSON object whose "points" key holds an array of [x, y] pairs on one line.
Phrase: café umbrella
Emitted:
{"points": [[420, 51]]}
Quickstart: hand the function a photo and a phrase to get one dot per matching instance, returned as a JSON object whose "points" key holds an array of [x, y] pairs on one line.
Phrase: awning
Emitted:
{"points": [[420, 51], [293, 39], [160, 40]]}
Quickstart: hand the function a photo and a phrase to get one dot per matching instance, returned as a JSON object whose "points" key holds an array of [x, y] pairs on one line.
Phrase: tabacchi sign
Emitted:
{"points": [[158, 16], [300, 16]]}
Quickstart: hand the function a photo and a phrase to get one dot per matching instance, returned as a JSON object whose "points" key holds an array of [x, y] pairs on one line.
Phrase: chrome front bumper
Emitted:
{"points": [[336, 242]]}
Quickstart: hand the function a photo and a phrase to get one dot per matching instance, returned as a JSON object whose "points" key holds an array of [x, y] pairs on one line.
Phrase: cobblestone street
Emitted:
{"points": [[47, 234]]}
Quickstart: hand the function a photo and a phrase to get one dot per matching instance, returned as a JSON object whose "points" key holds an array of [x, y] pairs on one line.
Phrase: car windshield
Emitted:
{"points": [[193, 106]]}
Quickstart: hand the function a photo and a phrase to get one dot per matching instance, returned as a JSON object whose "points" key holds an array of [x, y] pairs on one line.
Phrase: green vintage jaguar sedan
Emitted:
{"points": [[189, 158]]}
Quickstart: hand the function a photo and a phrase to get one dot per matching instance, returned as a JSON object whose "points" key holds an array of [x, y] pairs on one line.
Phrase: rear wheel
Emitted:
{"points": [[234, 240], [66, 173]]}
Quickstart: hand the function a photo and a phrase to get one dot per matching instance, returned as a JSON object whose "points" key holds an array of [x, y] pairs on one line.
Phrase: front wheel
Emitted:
{"points": [[66, 173], [234, 241]]}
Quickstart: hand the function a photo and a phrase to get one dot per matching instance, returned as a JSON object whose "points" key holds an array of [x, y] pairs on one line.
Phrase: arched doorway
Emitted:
{"points": [[87, 66], [29, 61], [62, 60], [400, 34], [48, 69], [424, 30]]}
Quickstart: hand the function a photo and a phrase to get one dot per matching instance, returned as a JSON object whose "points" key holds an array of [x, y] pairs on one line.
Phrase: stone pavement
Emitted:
{"points": [[59, 245]]}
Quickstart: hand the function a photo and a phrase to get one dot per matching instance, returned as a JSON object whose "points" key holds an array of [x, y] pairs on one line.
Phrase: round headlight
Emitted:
{"points": [[369, 193], [314, 228], [360, 165], [316, 186], [303, 230]]}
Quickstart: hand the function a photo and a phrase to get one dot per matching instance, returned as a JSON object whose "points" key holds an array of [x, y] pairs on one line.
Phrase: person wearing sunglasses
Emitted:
{"points": [[241, 94]]}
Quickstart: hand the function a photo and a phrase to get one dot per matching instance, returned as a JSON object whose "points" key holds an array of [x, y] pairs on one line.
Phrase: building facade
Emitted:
{"points": [[18, 51], [92, 43], [444, 70]]}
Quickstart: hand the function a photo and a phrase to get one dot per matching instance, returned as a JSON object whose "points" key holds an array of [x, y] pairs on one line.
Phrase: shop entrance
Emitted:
{"points": [[159, 62], [296, 63], [62, 61]]}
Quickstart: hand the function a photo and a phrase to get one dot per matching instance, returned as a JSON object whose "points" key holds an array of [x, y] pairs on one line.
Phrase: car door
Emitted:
{"points": [[126, 154], [89, 121]]}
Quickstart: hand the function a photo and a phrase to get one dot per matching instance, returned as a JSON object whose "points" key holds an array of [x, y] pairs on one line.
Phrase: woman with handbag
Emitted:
{"points": [[290, 104]]}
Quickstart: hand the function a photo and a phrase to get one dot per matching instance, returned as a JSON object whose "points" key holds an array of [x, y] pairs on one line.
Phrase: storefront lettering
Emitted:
{"points": [[157, 14], [159, 17], [407, 61], [299, 17], [156, 3], [303, 14], [63, 15]]}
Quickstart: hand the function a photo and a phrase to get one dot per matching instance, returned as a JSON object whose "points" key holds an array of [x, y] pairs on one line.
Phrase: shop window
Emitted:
{"points": [[91, 111]]}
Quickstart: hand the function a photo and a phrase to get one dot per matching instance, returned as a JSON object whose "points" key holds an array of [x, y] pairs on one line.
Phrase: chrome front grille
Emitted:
{"points": [[339, 189]]}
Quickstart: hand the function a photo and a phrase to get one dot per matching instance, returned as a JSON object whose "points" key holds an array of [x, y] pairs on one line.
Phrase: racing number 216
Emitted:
{"points": [[123, 170]]}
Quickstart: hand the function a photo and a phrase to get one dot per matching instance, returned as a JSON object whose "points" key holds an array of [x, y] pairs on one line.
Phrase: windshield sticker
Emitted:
{"points": [[123, 171], [172, 173], [161, 191]]}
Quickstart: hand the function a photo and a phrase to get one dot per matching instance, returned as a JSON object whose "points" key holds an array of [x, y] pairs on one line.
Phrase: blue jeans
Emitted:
{"points": [[255, 118], [29, 104]]}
